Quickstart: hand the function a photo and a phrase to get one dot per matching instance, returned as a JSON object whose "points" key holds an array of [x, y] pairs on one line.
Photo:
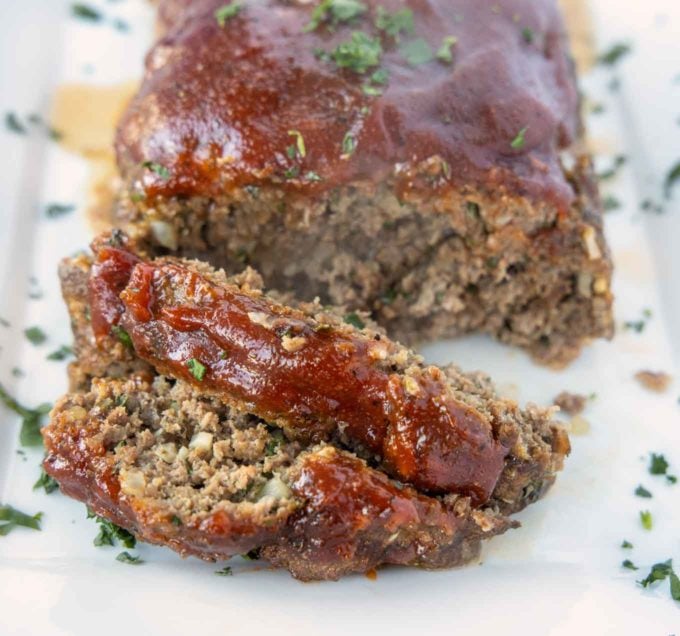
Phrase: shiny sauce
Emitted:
{"points": [[282, 366]]}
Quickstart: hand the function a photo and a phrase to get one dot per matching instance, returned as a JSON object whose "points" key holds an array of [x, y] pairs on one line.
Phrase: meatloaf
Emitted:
{"points": [[422, 160], [183, 459]]}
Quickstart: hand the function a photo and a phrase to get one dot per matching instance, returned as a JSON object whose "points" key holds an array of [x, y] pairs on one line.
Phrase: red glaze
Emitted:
{"points": [[217, 103], [332, 378], [110, 275]]}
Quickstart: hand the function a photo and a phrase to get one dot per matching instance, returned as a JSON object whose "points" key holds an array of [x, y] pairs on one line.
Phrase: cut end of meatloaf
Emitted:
{"points": [[179, 467], [467, 202]]}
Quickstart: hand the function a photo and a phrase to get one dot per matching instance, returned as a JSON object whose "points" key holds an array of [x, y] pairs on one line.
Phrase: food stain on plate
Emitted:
{"points": [[86, 116]]}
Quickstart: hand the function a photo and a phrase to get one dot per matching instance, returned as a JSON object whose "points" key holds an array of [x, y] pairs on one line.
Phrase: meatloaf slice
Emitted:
{"points": [[420, 160], [177, 468], [313, 374], [175, 464]]}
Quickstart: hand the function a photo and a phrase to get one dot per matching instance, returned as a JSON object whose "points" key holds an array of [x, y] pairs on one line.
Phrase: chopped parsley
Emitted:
{"points": [[613, 55], [417, 52], [227, 12], [528, 35], [519, 141], [335, 11], [611, 172], [641, 491], [11, 518], [85, 12], [658, 465], [54, 210], [396, 23], [444, 53], [649, 205], [110, 533], [299, 143], [629, 565], [359, 53], [13, 124], [126, 557], [659, 572], [379, 78], [671, 178], [638, 326], [675, 586], [158, 169], [30, 418], [61, 354], [123, 336], [47, 482], [35, 335], [176, 521], [196, 369], [277, 439], [626, 545], [225, 571], [349, 144], [646, 519], [610, 203], [354, 320], [312, 176], [292, 173]]}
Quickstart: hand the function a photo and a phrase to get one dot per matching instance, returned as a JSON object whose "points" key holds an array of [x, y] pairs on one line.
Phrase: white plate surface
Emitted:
{"points": [[559, 574]]}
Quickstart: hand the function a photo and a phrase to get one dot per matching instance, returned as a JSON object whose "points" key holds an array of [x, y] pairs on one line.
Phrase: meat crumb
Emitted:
{"points": [[656, 381], [570, 403]]}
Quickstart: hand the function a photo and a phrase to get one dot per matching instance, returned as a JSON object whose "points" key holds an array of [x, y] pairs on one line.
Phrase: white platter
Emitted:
{"points": [[559, 574]]}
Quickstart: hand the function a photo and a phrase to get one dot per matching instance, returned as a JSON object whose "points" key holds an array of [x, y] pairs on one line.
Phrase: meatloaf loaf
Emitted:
{"points": [[421, 160], [173, 452]]}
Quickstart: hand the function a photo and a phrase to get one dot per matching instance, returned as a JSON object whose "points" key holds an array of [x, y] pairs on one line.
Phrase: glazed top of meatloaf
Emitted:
{"points": [[265, 97]]}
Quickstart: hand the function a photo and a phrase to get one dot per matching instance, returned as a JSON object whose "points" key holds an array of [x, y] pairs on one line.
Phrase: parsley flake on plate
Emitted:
{"points": [[85, 12], [54, 210], [11, 518], [61, 354], [671, 178], [657, 464], [46, 482], [646, 519], [659, 572], [35, 335], [614, 54], [126, 557], [110, 533], [30, 418], [641, 491]]}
